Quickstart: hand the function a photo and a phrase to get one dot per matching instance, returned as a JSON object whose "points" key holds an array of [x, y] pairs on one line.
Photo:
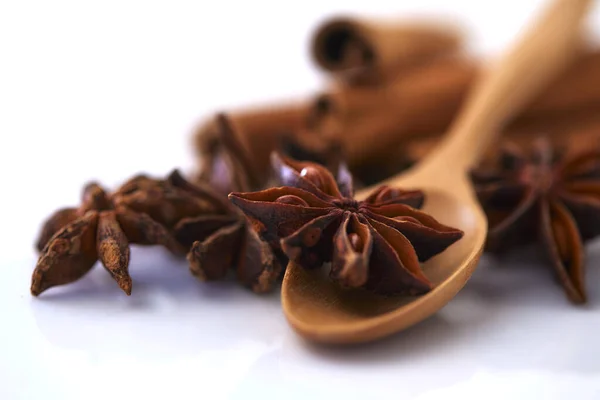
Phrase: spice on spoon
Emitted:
{"points": [[374, 244], [146, 211], [544, 196]]}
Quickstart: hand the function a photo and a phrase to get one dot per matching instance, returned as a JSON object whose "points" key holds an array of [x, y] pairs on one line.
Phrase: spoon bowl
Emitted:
{"points": [[325, 312], [321, 311]]}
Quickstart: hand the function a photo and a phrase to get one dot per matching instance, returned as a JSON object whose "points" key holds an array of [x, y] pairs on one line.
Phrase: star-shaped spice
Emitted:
{"points": [[547, 197], [73, 239], [375, 244], [146, 211], [224, 240]]}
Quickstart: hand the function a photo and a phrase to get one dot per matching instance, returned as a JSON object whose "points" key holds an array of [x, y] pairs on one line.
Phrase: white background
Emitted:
{"points": [[107, 89]]}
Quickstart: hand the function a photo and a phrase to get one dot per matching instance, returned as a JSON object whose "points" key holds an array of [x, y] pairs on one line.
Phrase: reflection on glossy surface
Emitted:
{"points": [[177, 337]]}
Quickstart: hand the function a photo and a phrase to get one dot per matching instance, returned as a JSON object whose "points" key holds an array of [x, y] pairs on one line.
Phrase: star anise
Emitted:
{"points": [[73, 239], [224, 240], [540, 195], [169, 212], [376, 243]]}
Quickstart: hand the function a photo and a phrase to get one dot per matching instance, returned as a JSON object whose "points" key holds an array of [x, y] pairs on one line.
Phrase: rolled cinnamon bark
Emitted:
{"points": [[370, 125], [371, 50], [575, 131], [378, 118]]}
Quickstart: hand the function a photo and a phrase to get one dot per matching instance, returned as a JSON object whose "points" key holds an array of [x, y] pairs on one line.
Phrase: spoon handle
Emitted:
{"points": [[540, 54]]}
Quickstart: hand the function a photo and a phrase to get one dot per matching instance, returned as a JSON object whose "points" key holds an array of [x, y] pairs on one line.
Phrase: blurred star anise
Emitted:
{"points": [[223, 240], [146, 211], [376, 243], [546, 197], [224, 163]]}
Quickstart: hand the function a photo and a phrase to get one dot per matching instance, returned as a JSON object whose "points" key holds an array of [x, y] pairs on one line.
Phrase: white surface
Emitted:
{"points": [[126, 81]]}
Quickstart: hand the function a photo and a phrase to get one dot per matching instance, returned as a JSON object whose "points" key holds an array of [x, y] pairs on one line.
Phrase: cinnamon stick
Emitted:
{"points": [[374, 119], [575, 131], [357, 49], [370, 124]]}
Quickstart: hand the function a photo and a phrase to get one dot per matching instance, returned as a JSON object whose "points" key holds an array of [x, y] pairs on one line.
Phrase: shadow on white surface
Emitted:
{"points": [[510, 321], [168, 308]]}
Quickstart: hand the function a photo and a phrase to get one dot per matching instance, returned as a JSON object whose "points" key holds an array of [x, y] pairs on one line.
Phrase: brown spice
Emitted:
{"points": [[374, 128], [169, 212], [222, 241], [576, 131], [360, 50], [72, 240], [376, 243], [544, 196], [424, 101]]}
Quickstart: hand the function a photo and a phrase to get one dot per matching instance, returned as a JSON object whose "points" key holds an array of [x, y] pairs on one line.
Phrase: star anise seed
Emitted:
{"points": [[222, 241], [68, 255], [104, 226], [170, 212], [376, 243], [547, 196]]}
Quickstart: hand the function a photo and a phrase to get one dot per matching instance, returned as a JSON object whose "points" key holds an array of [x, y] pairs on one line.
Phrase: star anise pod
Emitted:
{"points": [[169, 212], [375, 244], [224, 240], [545, 196], [73, 239]]}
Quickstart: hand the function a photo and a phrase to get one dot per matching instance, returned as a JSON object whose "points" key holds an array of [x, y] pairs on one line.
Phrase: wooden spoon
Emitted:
{"points": [[320, 311]]}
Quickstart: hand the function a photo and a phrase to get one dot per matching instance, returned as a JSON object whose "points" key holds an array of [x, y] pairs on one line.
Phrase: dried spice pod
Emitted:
{"points": [[102, 228], [54, 223], [164, 202], [68, 255], [141, 229], [360, 50], [113, 249], [374, 244], [223, 241], [544, 196], [170, 212]]}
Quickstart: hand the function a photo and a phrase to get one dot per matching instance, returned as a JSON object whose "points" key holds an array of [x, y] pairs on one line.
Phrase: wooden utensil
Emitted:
{"points": [[320, 311]]}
